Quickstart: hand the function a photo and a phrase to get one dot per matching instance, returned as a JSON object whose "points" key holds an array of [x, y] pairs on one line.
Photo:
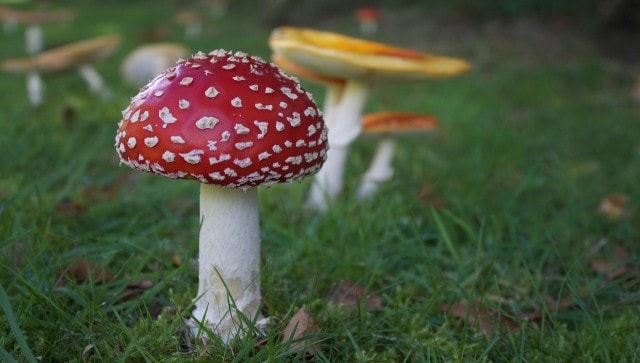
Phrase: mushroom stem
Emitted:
{"points": [[94, 80], [344, 127], [380, 169], [229, 262], [327, 183], [331, 102], [34, 88], [33, 39]]}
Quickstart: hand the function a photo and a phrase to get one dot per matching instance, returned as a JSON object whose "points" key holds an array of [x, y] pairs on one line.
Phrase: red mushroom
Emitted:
{"points": [[232, 122], [368, 17]]}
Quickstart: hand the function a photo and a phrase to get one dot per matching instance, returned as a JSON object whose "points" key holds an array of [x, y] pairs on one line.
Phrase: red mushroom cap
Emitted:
{"points": [[223, 118]]}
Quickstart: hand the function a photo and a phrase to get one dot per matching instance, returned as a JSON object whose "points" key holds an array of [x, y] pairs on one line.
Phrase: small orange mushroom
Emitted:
{"points": [[389, 125]]}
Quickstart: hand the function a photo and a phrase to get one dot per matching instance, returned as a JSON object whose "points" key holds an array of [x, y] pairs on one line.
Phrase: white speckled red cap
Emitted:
{"points": [[223, 118]]}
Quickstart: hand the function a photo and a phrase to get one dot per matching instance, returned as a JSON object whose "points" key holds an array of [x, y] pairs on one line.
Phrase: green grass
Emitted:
{"points": [[526, 150]]}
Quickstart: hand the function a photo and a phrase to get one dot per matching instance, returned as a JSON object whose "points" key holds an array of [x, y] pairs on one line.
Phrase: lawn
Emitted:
{"points": [[509, 234]]}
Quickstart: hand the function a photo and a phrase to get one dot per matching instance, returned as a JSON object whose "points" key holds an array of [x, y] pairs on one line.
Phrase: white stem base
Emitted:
{"points": [[345, 125], [327, 183], [229, 262], [33, 39], [379, 171], [34, 88], [94, 81]]}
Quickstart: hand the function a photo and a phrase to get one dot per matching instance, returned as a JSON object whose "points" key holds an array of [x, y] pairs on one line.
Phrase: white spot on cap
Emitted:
{"points": [[131, 143], [207, 122], [221, 158], [148, 128], [225, 136], [211, 92], [295, 160], [135, 117], [268, 90], [230, 172], [254, 87], [238, 78], [243, 163], [193, 156], [287, 92], [216, 176], [183, 104], [288, 143], [186, 81], [144, 116], [311, 130], [279, 126], [166, 116], [310, 111], [276, 148], [241, 129], [151, 141], [283, 104], [243, 145], [236, 102], [263, 128], [301, 143], [260, 106], [263, 155], [212, 145], [177, 139], [158, 93], [295, 119], [168, 156], [229, 66]]}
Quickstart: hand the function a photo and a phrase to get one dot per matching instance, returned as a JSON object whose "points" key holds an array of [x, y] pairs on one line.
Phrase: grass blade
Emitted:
{"points": [[13, 325]]}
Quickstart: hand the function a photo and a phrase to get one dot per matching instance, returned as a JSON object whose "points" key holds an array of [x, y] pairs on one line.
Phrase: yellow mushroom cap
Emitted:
{"points": [[389, 122], [66, 56], [339, 56]]}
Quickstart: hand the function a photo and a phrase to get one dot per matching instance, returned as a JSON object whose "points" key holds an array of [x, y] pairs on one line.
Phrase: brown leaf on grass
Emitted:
{"points": [[82, 271], [69, 208], [613, 206], [428, 196], [135, 290], [301, 325], [614, 266], [475, 313], [352, 295]]}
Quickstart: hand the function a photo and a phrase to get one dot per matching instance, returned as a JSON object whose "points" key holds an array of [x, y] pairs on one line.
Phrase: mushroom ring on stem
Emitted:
{"points": [[232, 122], [362, 64]]}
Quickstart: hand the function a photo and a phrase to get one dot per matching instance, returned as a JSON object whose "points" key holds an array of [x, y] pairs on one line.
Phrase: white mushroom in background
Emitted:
{"points": [[79, 55], [147, 61], [362, 64], [232, 122]]}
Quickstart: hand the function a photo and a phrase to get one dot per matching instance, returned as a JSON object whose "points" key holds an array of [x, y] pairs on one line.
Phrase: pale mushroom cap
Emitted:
{"points": [[146, 61], [339, 56], [66, 56], [390, 122], [37, 17]]}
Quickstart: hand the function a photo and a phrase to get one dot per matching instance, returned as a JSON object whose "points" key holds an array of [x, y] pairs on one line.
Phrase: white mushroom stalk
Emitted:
{"points": [[344, 127], [94, 81], [232, 122], [380, 170], [34, 88], [229, 260], [33, 39]]}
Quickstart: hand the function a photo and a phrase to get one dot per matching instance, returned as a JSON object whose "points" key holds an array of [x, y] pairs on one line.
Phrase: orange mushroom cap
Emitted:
{"points": [[389, 122], [340, 56], [66, 56]]}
